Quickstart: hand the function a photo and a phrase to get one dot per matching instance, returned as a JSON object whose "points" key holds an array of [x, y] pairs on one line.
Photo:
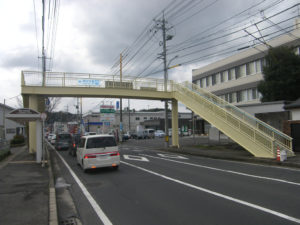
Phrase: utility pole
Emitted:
{"points": [[128, 114], [161, 24], [43, 45], [81, 124], [4, 125], [121, 117], [165, 80]]}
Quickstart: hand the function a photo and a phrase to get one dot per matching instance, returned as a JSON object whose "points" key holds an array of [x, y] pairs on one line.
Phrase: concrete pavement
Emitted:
{"points": [[25, 190]]}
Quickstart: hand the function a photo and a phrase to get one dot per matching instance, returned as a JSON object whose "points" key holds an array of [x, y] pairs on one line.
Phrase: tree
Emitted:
{"points": [[54, 102], [281, 75]]}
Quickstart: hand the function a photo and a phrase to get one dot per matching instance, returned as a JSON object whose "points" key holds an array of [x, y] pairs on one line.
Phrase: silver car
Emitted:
{"points": [[98, 151]]}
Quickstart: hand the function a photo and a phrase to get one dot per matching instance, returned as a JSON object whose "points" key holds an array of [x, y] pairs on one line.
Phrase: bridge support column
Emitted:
{"points": [[175, 140], [33, 104]]}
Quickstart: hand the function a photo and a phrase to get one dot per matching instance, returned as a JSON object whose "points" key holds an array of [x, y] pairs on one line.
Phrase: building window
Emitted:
{"points": [[203, 82], [10, 130], [213, 79], [231, 74], [137, 118], [258, 66], [254, 93], [145, 118], [241, 96], [240, 71], [250, 68], [222, 77], [209, 80], [233, 97], [218, 78], [151, 118]]}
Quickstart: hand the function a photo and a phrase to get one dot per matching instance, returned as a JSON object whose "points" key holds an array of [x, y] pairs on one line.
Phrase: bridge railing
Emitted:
{"points": [[62, 79], [280, 138]]}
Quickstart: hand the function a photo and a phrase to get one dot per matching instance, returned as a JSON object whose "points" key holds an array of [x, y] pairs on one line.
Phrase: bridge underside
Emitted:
{"points": [[93, 93]]}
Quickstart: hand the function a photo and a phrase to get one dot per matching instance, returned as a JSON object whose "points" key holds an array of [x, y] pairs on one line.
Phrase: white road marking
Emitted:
{"points": [[227, 171], [89, 197], [136, 158], [172, 156], [275, 213]]}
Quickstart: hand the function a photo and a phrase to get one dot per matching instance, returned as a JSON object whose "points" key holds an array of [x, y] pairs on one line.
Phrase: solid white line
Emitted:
{"points": [[275, 213], [227, 171], [89, 197]]}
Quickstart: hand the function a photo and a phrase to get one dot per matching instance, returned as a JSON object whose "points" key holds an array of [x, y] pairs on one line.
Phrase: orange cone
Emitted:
{"points": [[278, 154]]}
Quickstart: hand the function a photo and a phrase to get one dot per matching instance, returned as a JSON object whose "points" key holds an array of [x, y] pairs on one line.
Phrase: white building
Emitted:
{"points": [[236, 78]]}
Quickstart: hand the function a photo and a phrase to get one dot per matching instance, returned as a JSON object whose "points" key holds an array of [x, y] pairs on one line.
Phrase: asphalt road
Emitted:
{"points": [[153, 187]]}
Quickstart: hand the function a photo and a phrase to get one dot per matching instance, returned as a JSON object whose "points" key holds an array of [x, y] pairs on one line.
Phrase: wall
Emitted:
{"points": [[295, 114]]}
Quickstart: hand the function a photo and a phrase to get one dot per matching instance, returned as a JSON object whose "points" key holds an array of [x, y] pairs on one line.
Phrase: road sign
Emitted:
{"points": [[43, 116]]}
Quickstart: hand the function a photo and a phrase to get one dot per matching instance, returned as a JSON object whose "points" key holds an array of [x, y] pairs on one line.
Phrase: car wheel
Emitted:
{"points": [[82, 165]]}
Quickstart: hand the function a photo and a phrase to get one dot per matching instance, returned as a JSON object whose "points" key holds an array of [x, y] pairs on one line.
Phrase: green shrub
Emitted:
{"points": [[18, 139]]}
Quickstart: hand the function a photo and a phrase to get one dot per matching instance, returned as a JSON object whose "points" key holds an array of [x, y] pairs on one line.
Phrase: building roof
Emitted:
{"points": [[293, 105]]}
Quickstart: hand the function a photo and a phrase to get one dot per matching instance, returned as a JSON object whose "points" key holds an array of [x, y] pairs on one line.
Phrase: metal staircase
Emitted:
{"points": [[255, 136]]}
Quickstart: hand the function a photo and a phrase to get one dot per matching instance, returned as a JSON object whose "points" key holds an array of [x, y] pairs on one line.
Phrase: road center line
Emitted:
{"points": [[89, 197], [226, 171], [275, 213]]}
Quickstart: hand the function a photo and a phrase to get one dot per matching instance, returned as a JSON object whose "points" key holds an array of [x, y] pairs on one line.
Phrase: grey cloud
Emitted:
{"points": [[21, 58]]}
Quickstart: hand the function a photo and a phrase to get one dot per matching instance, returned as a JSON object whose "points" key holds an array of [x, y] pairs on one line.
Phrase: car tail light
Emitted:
{"points": [[115, 154], [74, 145], [89, 156]]}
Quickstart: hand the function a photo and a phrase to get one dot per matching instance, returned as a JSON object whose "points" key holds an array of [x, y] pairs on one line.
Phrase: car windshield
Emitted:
{"points": [[64, 136], [101, 142]]}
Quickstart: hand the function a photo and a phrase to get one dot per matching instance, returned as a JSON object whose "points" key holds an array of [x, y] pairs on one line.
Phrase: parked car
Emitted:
{"points": [[150, 133], [63, 141], [126, 136], [141, 134], [159, 133], [89, 133], [53, 139], [75, 143], [133, 135], [98, 151], [49, 137]]}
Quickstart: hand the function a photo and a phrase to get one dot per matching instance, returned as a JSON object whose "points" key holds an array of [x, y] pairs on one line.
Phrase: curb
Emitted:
{"points": [[53, 218]]}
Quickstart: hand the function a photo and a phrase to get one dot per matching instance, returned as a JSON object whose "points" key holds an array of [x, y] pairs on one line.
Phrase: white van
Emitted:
{"points": [[149, 133], [97, 151]]}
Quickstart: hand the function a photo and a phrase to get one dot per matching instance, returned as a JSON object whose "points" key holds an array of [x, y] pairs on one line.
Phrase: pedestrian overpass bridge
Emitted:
{"points": [[257, 137]]}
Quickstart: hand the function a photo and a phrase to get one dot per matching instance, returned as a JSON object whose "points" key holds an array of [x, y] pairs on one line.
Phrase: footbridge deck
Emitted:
{"points": [[257, 137]]}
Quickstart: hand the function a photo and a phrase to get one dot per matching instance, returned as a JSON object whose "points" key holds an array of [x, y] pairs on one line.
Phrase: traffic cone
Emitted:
{"points": [[278, 154]]}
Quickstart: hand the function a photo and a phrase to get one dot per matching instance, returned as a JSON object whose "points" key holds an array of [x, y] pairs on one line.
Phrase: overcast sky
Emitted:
{"points": [[91, 34]]}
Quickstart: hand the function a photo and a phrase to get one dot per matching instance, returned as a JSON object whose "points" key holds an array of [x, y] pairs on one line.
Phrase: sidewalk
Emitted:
{"points": [[24, 192]]}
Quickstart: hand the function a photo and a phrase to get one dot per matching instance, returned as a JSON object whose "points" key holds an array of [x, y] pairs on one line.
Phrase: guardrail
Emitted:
{"points": [[279, 137], [62, 79]]}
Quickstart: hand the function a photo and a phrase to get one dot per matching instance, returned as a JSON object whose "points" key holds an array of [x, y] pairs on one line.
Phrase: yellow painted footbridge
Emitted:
{"points": [[257, 137]]}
